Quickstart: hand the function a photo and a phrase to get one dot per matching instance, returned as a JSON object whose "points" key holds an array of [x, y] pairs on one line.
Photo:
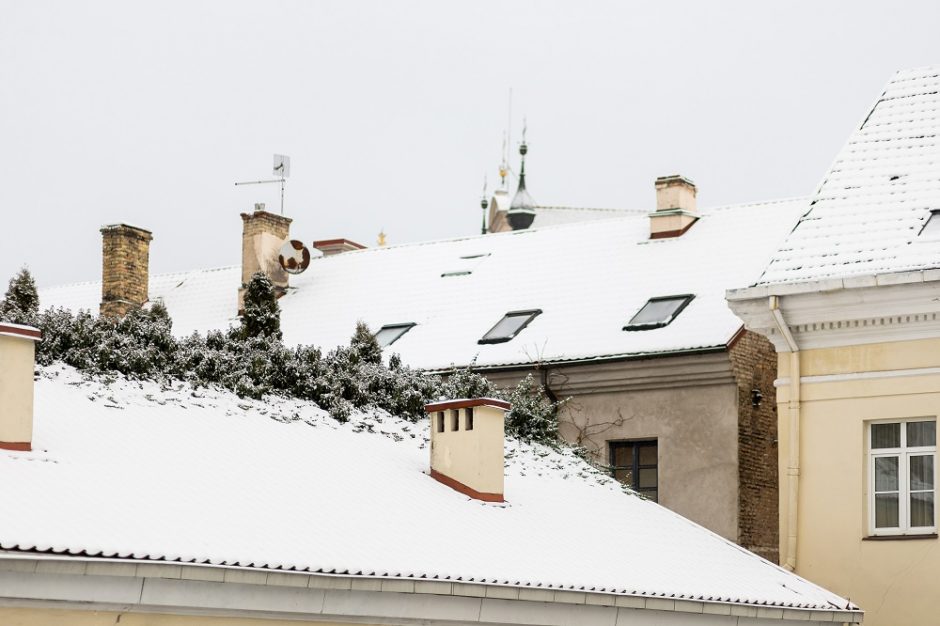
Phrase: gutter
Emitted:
{"points": [[793, 414]]}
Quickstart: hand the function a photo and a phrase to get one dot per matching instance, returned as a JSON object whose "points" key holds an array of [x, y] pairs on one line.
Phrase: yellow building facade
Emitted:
{"points": [[858, 396]]}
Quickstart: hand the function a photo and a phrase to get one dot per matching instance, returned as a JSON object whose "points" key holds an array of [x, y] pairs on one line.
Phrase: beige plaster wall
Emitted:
{"points": [[697, 438], [472, 457], [17, 357], [47, 617], [893, 580]]}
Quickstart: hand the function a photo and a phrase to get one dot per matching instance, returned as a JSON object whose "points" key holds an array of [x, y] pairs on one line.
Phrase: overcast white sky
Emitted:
{"points": [[147, 113]]}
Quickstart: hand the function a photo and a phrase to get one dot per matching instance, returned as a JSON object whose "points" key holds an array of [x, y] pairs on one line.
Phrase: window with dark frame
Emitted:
{"points": [[469, 418], [390, 333], [636, 465], [931, 229], [454, 419], [440, 421], [658, 312], [510, 326]]}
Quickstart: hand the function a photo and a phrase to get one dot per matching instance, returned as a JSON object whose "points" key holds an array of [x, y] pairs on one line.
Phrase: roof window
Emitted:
{"points": [[931, 229], [510, 326], [390, 333], [658, 312]]}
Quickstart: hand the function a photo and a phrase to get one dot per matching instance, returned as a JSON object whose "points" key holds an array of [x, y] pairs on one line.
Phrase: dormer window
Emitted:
{"points": [[390, 333], [931, 229], [658, 312], [510, 326]]}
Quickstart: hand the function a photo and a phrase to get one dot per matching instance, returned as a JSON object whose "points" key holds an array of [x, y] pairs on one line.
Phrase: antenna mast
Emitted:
{"points": [[282, 169]]}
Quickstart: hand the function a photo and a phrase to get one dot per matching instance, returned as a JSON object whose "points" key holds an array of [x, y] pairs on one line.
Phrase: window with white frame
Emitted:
{"points": [[902, 477]]}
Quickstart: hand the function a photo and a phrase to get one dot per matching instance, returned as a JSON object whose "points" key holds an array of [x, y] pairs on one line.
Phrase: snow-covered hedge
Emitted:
{"points": [[252, 361]]}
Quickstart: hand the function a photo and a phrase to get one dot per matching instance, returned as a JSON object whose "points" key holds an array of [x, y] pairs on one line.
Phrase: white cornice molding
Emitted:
{"points": [[875, 309]]}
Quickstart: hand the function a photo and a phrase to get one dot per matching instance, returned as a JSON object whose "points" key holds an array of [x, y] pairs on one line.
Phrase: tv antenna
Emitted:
{"points": [[281, 169]]}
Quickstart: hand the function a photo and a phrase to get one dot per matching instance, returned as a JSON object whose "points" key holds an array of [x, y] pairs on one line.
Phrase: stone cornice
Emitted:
{"points": [[866, 309]]}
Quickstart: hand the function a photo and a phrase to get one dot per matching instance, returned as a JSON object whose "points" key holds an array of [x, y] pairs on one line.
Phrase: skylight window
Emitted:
{"points": [[390, 333], [658, 312], [931, 229], [510, 326]]}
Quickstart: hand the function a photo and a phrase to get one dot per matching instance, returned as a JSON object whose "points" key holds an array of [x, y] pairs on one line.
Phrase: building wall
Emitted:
{"points": [[755, 368], [688, 403], [893, 580]]}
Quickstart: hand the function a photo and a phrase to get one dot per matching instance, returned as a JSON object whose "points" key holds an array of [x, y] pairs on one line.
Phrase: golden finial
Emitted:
{"points": [[382, 238]]}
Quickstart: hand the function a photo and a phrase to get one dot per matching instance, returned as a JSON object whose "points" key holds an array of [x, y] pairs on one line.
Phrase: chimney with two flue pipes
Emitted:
{"points": [[467, 439], [675, 207], [17, 364]]}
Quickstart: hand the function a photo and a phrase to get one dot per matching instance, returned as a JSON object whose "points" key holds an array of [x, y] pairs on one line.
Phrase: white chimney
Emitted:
{"points": [[675, 207], [17, 363], [467, 438]]}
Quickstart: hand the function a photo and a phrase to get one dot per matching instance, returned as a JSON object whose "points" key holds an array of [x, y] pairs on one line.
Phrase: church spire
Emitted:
{"points": [[521, 212]]}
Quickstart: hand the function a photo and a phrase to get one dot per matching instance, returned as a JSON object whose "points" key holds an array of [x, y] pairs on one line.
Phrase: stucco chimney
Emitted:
{"points": [[329, 247], [125, 268], [467, 438], [263, 234], [675, 207], [17, 361]]}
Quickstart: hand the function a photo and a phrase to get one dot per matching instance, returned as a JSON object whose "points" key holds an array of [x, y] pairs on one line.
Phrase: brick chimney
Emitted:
{"points": [[125, 268], [329, 247], [675, 207], [17, 361], [467, 446], [263, 234]]}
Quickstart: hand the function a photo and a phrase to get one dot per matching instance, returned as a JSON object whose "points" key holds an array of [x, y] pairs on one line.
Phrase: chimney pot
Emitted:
{"points": [[467, 440], [675, 207], [17, 363]]}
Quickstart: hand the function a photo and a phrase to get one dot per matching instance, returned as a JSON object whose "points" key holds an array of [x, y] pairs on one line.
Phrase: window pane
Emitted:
{"points": [[885, 436], [921, 434], [886, 511], [648, 455], [657, 311], [921, 472], [507, 327], [387, 335], [652, 495], [621, 455], [625, 476], [886, 473], [931, 229], [647, 478], [922, 509]]}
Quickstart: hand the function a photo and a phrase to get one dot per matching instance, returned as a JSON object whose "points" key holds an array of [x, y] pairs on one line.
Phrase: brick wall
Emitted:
{"points": [[125, 272], [754, 362]]}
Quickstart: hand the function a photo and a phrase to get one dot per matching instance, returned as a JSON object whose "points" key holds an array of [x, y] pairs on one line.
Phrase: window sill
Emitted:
{"points": [[898, 537]]}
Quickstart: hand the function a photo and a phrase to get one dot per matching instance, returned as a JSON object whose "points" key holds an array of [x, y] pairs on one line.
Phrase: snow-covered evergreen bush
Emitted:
{"points": [[533, 416], [20, 304], [252, 361], [262, 317]]}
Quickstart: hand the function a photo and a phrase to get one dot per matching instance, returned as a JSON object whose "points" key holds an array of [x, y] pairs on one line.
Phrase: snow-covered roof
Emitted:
{"points": [[587, 279], [144, 471], [557, 215], [868, 211]]}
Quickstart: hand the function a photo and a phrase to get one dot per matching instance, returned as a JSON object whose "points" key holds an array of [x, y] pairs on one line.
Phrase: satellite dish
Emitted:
{"points": [[294, 257], [281, 165]]}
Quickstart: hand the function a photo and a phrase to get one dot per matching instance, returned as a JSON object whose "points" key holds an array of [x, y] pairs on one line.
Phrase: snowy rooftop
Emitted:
{"points": [[868, 213], [587, 278], [141, 471]]}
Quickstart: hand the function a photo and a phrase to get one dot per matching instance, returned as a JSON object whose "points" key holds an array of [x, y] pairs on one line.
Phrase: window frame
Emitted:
{"points": [[406, 326], [636, 466], [686, 300], [903, 453], [531, 313], [935, 236]]}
